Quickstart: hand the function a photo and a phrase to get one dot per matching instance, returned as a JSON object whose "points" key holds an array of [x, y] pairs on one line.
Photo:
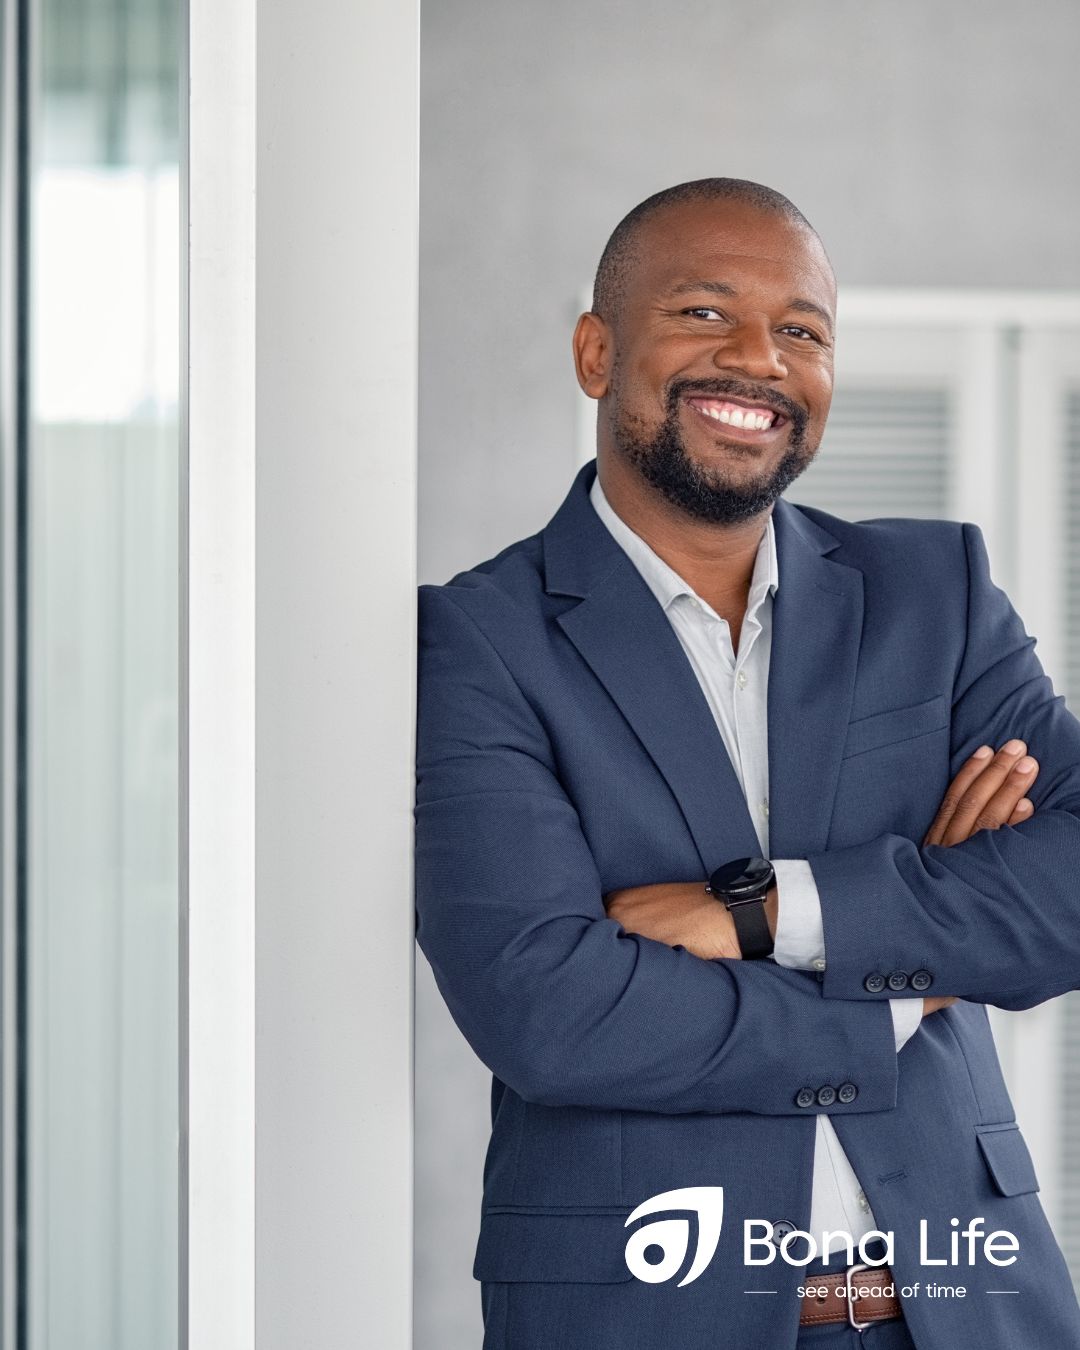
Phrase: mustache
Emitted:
{"points": [[752, 393]]}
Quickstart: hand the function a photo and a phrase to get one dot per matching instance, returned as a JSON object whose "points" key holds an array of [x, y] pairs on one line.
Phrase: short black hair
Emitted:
{"points": [[618, 256]]}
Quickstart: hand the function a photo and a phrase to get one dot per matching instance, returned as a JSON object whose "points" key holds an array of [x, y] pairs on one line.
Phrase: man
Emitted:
{"points": [[680, 677]]}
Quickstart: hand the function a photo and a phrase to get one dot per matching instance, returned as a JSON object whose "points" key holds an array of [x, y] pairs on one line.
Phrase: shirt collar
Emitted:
{"points": [[664, 582]]}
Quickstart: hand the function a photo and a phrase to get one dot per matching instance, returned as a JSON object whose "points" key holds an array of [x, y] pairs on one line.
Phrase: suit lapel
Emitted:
{"points": [[817, 630], [624, 635]]}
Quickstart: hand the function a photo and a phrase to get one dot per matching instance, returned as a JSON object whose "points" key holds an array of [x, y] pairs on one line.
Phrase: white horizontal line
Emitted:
{"points": [[1003, 1291], [760, 1291]]}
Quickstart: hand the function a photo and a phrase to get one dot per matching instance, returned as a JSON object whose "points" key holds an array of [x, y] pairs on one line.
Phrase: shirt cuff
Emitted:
{"points": [[906, 1016], [800, 938], [799, 943]]}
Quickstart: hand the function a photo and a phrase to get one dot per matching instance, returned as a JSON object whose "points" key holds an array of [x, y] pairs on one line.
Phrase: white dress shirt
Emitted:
{"points": [[736, 688]]}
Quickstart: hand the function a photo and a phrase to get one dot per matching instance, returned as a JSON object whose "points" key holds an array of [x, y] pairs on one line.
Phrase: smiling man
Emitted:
{"points": [[717, 864]]}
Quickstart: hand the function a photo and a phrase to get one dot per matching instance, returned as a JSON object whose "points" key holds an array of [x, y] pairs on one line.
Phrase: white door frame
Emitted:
{"points": [[13, 71]]}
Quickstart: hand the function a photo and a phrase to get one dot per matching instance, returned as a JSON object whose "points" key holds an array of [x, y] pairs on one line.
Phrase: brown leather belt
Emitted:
{"points": [[867, 1296]]}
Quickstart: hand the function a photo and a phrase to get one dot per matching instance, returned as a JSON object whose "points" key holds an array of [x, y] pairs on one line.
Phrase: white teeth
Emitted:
{"points": [[740, 417]]}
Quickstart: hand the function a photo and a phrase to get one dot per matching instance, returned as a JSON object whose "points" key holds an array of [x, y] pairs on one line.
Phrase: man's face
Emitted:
{"points": [[721, 375]]}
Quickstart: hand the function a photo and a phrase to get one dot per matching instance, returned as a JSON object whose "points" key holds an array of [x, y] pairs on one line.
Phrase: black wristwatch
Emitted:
{"points": [[742, 886]]}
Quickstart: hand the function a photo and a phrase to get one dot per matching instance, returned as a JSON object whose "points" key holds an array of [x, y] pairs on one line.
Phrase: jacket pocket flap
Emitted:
{"points": [[897, 724], [552, 1247], [1008, 1159]]}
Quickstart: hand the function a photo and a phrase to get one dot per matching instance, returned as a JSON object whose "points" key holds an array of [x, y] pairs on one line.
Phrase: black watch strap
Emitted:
{"points": [[751, 927]]}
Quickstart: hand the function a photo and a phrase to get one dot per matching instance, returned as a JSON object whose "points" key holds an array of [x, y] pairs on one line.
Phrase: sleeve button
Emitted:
{"points": [[898, 980], [826, 1095], [805, 1097], [922, 979], [847, 1093], [874, 984]]}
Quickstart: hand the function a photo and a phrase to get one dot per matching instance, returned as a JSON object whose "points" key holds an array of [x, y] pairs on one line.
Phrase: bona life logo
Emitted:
{"points": [[672, 1236]]}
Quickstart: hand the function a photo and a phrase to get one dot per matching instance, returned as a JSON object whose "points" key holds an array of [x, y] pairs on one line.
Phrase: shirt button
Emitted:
{"points": [[864, 1204], [898, 980], [740, 679], [765, 806], [819, 964]]}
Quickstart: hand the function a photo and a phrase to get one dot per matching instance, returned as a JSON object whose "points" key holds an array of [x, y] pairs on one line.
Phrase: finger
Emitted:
{"points": [[978, 794], [968, 773], [1023, 810], [997, 809], [990, 801]]}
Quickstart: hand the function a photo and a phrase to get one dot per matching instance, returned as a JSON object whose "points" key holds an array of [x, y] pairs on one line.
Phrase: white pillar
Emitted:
{"points": [[297, 773]]}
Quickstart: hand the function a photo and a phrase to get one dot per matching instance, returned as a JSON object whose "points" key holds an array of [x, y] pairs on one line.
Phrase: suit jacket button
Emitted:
{"points": [[922, 979], [780, 1229], [874, 984], [847, 1093], [805, 1097], [826, 1095], [898, 980]]}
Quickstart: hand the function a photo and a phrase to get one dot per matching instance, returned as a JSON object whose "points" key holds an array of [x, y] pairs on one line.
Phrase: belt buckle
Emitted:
{"points": [[860, 1327]]}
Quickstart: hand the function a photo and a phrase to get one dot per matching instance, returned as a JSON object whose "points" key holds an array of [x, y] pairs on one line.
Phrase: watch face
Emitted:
{"points": [[743, 876]]}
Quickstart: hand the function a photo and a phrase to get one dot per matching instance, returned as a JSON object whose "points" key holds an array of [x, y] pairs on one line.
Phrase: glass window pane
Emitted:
{"points": [[103, 451]]}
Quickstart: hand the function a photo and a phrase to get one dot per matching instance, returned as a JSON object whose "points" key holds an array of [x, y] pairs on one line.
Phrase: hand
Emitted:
{"points": [[987, 793], [680, 913]]}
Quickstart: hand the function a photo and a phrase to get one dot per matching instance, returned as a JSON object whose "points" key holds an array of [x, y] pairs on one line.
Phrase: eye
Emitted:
{"points": [[801, 332], [703, 312]]}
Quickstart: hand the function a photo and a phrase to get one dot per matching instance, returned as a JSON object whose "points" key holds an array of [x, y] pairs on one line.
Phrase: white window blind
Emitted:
{"points": [[1068, 1216], [886, 452]]}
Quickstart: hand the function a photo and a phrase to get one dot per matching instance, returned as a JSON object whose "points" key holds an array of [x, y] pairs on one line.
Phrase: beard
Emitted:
{"points": [[711, 494]]}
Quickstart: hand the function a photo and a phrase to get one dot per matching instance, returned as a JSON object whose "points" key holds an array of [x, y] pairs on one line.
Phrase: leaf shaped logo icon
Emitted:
{"points": [[672, 1236]]}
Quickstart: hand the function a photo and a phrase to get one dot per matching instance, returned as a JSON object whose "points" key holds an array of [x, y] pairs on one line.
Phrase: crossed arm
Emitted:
{"points": [[988, 792], [568, 1005]]}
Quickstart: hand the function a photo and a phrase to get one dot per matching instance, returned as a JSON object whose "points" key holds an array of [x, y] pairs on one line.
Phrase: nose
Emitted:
{"points": [[750, 349]]}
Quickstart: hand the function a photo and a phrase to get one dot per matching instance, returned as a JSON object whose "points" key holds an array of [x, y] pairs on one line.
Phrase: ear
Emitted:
{"points": [[593, 350]]}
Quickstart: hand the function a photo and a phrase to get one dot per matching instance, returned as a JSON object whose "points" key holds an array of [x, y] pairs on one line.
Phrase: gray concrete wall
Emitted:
{"points": [[931, 143]]}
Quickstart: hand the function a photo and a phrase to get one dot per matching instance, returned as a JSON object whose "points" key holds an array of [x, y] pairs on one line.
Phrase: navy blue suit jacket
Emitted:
{"points": [[565, 750]]}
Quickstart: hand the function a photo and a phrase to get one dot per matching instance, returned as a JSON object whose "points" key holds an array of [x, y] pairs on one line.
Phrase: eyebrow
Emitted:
{"points": [[723, 288], [713, 287]]}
